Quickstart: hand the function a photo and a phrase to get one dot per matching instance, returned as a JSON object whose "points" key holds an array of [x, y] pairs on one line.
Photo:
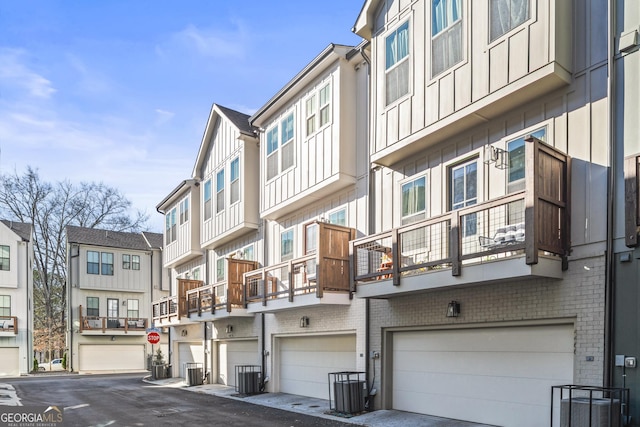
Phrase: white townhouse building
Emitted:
{"points": [[16, 298], [113, 278], [489, 151]]}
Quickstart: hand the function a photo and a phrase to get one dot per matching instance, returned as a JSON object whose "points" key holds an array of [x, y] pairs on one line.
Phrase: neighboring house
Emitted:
{"points": [[16, 298], [486, 269], [113, 277], [624, 264]]}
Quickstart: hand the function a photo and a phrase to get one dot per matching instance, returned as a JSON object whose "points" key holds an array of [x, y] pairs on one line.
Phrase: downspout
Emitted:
{"points": [[70, 308], [30, 352], [609, 256], [151, 294], [370, 231]]}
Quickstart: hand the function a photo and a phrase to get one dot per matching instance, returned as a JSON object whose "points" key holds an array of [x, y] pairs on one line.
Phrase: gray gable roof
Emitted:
{"points": [[112, 239], [240, 120], [20, 228], [155, 240]]}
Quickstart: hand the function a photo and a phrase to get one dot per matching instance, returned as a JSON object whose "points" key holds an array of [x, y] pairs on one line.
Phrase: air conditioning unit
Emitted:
{"points": [[595, 413]]}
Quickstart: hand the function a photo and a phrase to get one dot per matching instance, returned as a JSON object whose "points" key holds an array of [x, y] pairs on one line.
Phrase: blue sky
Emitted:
{"points": [[119, 91]]}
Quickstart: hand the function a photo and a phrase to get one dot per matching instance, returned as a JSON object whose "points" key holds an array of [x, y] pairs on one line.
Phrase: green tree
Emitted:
{"points": [[50, 208]]}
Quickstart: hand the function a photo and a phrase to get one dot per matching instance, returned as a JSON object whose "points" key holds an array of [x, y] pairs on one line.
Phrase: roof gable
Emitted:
{"points": [[111, 239], [23, 230]]}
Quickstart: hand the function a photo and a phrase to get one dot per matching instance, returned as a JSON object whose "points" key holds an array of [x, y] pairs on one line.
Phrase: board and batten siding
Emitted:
{"points": [[225, 145], [543, 41], [187, 238], [121, 280], [328, 155]]}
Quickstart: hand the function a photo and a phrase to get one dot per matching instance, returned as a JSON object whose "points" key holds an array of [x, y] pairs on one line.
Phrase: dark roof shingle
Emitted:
{"points": [[20, 228], [113, 239]]}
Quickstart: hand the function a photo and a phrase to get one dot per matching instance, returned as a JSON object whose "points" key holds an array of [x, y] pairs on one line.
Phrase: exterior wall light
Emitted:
{"points": [[304, 322], [453, 309]]}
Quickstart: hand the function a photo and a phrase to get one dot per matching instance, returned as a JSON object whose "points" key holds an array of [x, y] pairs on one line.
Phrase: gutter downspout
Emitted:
{"points": [[70, 308], [609, 256], [30, 352]]}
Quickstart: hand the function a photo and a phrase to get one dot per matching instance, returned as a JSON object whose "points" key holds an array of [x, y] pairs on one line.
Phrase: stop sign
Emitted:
{"points": [[153, 337]]}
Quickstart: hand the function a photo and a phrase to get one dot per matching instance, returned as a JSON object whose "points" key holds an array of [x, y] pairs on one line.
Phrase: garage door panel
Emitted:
{"points": [[235, 353], [116, 357], [189, 352], [305, 363], [491, 375], [10, 357]]}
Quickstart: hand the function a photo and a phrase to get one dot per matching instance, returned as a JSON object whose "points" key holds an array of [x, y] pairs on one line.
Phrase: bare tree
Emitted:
{"points": [[50, 208]]}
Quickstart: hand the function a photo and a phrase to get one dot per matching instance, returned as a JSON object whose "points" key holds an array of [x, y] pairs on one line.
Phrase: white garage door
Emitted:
{"points": [[500, 376], [10, 357], [189, 352], [305, 363], [232, 354], [113, 358]]}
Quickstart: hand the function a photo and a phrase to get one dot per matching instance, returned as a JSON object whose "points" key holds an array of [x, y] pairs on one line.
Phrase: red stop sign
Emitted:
{"points": [[153, 337]]}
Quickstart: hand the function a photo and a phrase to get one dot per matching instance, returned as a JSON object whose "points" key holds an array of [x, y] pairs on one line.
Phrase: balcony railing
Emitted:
{"points": [[528, 223], [104, 324], [225, 295], [9, 324], [174, 308], [327, 269]]}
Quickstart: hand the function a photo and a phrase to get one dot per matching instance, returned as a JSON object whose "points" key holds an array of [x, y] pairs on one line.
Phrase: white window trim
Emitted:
{"points": [[533, 17], [409, 58], [427, 194], [281, 144]]}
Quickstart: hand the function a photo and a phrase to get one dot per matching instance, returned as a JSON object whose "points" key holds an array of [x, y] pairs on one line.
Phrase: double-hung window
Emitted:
{"points": [[318, 109], [446, 34], [5, 305], [207, 199], [170, 230], [338, 217], [184, 210], [235, 181], [135, 262], [325, 105], [286, 245], [133, 308], [310, 112], [93, 306], [220, 269], [505, 15], [280, 147], [414, 206], [516, 161], [5, 258], [397, 63], [106, 260], [93, 262], [464, 192], [126, 262], [220, 191]]}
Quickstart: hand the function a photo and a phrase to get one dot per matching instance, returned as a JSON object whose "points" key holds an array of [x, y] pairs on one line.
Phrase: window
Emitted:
{"points": [[93, 306], [325, 104], [272, 153], [397, 63], [516, 161], [112, 308], [414, 200], [446, 32], [196, 274], [505, 15], [311, 238], [248, 254], [310, 110], [220, 269], [184, 211], [207, 199], [287, 142], [5, 259], [220, 191], [286, 245], [135, 262], [133, 311], [126, 262], [464, 192], [5, 305], [93, 262], [235, 180], [280, 152], [107, 264], [170, 229], [338, 217]]}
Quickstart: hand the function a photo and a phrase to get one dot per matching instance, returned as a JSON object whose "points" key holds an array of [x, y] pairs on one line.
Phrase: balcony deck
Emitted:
{"points": [[224, 299], [320, 278], [97, 325], [515, 237], [172, 310], [8, 326]]}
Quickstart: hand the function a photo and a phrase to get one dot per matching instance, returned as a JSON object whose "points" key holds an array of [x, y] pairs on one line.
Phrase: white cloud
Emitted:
{"points": [[163, 116], [208, 43], [16, 73]]}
